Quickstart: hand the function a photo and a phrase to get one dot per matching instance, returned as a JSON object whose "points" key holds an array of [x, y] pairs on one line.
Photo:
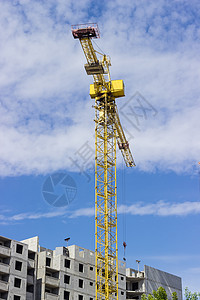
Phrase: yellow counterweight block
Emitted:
{"points": [[116, 89]]}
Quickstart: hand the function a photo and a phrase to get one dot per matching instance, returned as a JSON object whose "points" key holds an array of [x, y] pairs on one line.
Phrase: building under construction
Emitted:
{"points": [[31, 272]]}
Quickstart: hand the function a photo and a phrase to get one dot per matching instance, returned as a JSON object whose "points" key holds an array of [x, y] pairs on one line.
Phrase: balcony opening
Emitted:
{"points": [[18, 265], [134, 286], [56, 275], [81, 268], [65, 252], [80, 297], [19, 249], [5, 260], [50, 290], [5, 243], [66, 295], [30, 272], [66, 279], [80, 283], [3, 295], [67, 263], [31, 255], [48, 261], [30, 288], [53, 274], [17, 282], [17, 297], [4, 277]]}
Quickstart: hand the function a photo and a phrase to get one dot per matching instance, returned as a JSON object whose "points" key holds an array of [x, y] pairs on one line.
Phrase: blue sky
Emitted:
{"points": [[46, 120]]}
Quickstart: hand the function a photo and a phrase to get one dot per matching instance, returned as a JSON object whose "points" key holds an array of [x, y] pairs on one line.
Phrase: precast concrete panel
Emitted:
{"points": [[155, 278]]}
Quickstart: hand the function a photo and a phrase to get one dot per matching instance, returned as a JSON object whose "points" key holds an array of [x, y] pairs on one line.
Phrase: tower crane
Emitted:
{"points": [[108, 133]]}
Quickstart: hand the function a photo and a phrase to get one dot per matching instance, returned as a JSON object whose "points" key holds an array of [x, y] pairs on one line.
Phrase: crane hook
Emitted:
{"points": [[124, 245]]}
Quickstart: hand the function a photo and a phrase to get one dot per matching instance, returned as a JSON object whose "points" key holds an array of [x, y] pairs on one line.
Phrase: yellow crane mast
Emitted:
{"points": [[108, 133]]}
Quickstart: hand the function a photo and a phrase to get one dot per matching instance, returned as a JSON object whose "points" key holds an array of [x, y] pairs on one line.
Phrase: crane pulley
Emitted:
{"points": [[108, 134]]}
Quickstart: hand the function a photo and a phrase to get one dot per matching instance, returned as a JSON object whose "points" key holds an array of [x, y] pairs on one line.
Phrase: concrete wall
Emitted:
{"points": [[156, 278], [33, 243]]}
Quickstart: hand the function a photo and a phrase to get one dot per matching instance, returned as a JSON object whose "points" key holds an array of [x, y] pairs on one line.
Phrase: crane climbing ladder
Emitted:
{"points": [[108, 133]]}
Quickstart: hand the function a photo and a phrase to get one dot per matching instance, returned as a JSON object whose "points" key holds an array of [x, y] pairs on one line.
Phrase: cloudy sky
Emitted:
{"points": [[46, 120]]}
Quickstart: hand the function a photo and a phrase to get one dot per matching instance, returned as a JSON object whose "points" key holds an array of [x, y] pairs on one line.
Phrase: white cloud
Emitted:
{"points": [[82, 212], [6, 219], [161, 208], [34, 216], [45, 110]]}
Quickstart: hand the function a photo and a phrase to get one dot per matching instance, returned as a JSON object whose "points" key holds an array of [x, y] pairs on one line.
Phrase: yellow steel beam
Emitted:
{"points": [[106, 200]]}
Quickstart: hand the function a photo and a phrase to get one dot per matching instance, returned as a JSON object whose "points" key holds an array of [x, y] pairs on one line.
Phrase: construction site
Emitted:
{"points": [[31, 272]]}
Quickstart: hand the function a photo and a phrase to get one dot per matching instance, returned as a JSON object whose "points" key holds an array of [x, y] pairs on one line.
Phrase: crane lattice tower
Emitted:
{"points": [[108, 133]]}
